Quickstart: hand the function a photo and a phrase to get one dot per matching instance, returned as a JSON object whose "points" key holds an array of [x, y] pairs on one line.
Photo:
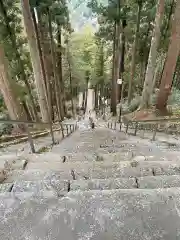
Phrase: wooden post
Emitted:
{"points": [[154, 132], [136, 128], [30, 139], [120, 126], [127, 126]]}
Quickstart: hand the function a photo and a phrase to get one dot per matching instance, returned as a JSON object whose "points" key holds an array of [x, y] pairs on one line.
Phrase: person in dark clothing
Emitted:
{"points": [[91, 122]]}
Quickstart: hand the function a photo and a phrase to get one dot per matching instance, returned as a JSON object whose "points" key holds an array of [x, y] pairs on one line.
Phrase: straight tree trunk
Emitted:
{"points": [[96, 97], [101, 83], [53, 55], [15, 109], [71, 89], [59, 65], [116, 60], [150, 71], [12, 37], [35, 58], [45, 62], [133, 61], [114, 83], [170, 63], [122, 57]]}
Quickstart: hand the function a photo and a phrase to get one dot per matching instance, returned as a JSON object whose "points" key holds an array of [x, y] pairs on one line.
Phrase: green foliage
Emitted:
{"points": [[82, 47], [13, 14], [5, 128]]}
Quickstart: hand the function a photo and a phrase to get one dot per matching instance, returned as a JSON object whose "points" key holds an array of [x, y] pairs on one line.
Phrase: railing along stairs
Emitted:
{"points": [[153, 125], [65, 128]]}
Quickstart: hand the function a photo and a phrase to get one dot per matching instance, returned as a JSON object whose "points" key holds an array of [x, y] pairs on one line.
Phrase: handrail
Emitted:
{"points": [[73, 127], [153, 122]]}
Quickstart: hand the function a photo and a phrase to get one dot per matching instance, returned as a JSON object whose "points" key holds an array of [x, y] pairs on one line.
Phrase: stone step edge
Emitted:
{"points": [[50, 194], [135, 182], [106, 163]]}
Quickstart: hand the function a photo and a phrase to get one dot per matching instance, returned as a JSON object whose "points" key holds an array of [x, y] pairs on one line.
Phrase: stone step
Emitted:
{"points": [[105, 169], [55, 157], [162, 181], [118, 156], [110, 214], [6, 187], [36, 175], [60, 187], [103, 184], [95, 170], [148, 182]]}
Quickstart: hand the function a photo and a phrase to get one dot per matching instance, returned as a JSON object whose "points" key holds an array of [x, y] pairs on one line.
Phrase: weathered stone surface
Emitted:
{"points": [[159, 181], [113, 171], [171, 169], [2, 175], [35, 175], [96, 215], [58, 186], [5, 187], [12, 164], [117, 156], [103, 184], [139, 158]]}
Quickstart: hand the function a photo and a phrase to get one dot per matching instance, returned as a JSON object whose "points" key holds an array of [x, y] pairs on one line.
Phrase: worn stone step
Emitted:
{"points": [[61, 187], [110, 214], [5, 187], [149, 182], [108, 169], [103, 184], [99, 170], [37, 174], [162, 181], [54, 157]]}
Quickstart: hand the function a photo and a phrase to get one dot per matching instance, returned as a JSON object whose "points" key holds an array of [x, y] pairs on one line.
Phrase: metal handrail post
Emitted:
{"points": [[30, 139], [120, 126], [154, 132], [52, 134], [136, 128], [127, 126]]}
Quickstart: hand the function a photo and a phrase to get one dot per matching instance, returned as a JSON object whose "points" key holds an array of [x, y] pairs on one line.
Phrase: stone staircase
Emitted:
{"points": [[96, 184]]}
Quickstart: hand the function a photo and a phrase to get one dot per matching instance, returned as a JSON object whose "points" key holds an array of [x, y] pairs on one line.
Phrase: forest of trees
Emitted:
{"points": [[45, 63]]}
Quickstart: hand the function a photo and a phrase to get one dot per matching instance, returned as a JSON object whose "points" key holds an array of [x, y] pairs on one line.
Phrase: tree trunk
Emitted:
{"points": [[114, 83], [59, 65], [101, 75], [133, 61], [13, 40], [159, 66], [57, 88], [36, 62], [15, 109], [116, 60], [170, 63], [71, 89], [122, 57], [70, 80], [45, 62], [146, 94], [96, 97]]}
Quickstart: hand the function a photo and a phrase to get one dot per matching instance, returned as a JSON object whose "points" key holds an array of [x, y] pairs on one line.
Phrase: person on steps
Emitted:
{"points": [[91, 122]]}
